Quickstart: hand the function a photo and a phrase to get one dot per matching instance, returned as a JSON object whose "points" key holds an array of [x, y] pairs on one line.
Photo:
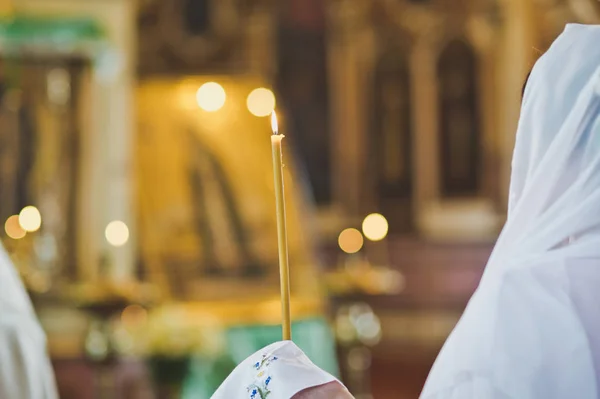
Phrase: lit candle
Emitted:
{"points": [[284, 267]]}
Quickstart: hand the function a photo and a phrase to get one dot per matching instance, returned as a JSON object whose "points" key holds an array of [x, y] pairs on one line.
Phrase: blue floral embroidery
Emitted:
{"points": [[260, 388]]}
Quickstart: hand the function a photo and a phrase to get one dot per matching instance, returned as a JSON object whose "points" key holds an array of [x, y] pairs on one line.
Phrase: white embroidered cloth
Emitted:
{"points": [[278, 371]]}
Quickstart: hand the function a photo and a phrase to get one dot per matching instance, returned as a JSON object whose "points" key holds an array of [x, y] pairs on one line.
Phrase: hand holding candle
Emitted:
{"points": [[284, 268]]}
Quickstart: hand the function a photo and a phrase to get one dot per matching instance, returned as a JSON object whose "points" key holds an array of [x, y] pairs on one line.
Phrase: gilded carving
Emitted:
{"points": [[187, 36]]}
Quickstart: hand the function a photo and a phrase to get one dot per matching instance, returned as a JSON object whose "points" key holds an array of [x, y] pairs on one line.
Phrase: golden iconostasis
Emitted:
{"points": [[205, 195]]}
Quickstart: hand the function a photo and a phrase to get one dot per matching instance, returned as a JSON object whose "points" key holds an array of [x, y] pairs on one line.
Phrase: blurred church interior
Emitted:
{"points": [[137, 190]]}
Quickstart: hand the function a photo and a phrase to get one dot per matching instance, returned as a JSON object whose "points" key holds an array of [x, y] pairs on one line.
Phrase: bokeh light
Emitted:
{"points": [[30, 219], [211, 96], [261, 102], [350, 241], [117, 233], [13, 228], [134, 316], [375, 227]]}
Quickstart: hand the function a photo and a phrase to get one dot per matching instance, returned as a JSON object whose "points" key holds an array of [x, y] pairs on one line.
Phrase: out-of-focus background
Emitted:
{"points": [[137, 190]]}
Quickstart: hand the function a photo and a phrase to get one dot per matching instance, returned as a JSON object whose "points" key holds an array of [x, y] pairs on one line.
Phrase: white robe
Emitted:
{"points": [[532, 328], [528, 337], [25, 369]]}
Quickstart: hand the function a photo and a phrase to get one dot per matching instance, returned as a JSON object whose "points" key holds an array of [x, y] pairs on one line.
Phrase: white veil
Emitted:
{"points": [[532, 329], [25, 370]]}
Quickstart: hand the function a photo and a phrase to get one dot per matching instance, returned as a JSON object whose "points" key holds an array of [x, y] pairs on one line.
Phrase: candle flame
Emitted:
{"points": [[274, 125]]}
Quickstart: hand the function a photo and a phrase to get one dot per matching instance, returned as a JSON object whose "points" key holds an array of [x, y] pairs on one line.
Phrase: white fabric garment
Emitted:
{"points": [[532, 328], [279, 371], [25, 370]]}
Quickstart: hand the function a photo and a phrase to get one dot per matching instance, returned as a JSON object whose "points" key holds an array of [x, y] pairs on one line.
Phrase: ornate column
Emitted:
{"points": [[350, 55], [483, 32], [425, 109], [118, 84], [515, 60], [426, 27]]}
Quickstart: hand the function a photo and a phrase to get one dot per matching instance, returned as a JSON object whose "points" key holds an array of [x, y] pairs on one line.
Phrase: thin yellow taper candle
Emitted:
{"points": [[284, 266]]}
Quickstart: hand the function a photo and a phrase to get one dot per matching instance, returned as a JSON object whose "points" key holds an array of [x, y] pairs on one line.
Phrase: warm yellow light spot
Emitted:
{"points": [[134, 316], [211, 96], [350, 241], [261, 102], [30, 219], [117, 233], [375, 227], [13, 228]]}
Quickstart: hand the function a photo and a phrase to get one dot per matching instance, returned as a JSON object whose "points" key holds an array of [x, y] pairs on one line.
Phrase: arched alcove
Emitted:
{"points": [[459, 121], [390, 141]]}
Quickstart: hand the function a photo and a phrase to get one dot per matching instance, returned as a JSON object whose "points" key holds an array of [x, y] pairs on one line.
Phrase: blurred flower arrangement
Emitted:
{"points": [[168, 332], [168, 338]]}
